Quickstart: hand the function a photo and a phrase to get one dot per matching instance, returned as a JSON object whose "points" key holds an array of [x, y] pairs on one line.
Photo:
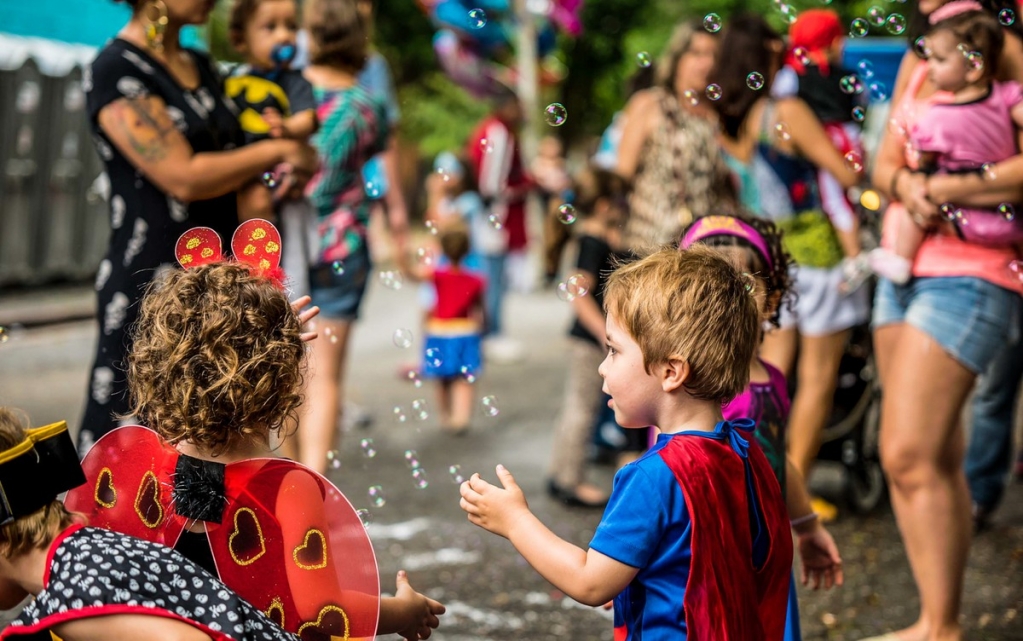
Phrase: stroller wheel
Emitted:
{"points": [[866, 487]]}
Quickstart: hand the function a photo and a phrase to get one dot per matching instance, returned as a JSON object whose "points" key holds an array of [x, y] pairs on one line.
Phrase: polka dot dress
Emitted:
{"points": [[93, 571]]}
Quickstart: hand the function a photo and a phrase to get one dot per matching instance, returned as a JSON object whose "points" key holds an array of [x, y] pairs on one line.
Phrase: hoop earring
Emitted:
{"points": [[155, 27]]}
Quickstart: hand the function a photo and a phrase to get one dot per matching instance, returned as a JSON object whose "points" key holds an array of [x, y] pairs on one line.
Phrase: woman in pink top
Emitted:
{"points": [[934, 335]]}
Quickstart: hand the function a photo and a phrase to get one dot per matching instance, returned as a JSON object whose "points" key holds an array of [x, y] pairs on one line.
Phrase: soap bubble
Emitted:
{"points": [[801, 54], [334, 459], [895, 24], [419, 478], [432, 226], [1016, 267], [690, 97], [555, 114], [755, 81], [468, 373], [412, 459], [1007, 211], [368, 449], [402, 338], [486, 145], [859, 113], [269, 179], [432, 357], [572, 288], [420, 410], [854, 161], [859, 28], [975, 60], [456, 474], [781, 130], [921, 48], [566, 214], [372, 189], [948, 211], [712, 22], [1006, 17], [495, 221], [643, 59], [4, 335], [714, 91], [788, 13], [413, 376], [878, 91], [338, 267], [875, 16], [489, 404], [865, 69], [399, 414], [392, 279], [477, 18], [424, 256], [989, 171], [376, 496], [851, 84], [365, 516]]}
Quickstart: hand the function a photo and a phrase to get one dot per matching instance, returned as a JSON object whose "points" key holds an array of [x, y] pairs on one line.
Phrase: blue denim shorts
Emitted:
{"points": [[970, 318], [340, 295]]}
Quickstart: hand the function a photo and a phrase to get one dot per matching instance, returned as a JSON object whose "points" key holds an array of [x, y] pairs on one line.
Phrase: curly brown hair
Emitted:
{"points": [[338, 34], [217, 358], [779, 277]]}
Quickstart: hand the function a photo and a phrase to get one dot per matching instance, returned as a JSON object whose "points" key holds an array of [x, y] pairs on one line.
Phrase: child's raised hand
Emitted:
{"points": [[306, 315], [819, 557], [493, 508], [418, 613]]}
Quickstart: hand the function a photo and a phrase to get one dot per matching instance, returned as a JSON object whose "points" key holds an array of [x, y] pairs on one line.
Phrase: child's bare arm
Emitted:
{"points": [[587, 576], [817, 550], [295, 127]]}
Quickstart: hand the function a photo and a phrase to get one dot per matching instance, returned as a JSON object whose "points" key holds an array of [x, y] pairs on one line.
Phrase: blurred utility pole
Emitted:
{"points": [[526, 67]]}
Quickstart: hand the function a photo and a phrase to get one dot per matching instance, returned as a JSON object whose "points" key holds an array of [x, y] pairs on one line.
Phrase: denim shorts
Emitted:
{"points": [[970, 318], [339, 296]]}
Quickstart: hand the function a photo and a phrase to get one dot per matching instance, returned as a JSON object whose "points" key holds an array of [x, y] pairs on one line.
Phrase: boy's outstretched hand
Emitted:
{"points": [[416, 614], [493, 508], [819, 557]]}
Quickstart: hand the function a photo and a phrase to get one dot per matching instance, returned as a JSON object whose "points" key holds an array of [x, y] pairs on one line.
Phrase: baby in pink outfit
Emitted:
{"points": [[977, 125]]}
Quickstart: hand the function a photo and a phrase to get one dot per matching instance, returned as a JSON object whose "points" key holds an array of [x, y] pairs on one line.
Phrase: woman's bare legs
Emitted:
{"points": [[779, 349], [819, 360], [922, 451], [317, 426]]}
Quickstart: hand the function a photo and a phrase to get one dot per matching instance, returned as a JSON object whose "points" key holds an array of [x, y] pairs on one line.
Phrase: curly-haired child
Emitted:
{"points": [[90, 583], [694, 540], [216, 370], [754, 246]]}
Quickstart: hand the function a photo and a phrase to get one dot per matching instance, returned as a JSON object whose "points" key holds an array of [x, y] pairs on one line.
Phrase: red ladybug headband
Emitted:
{"points": [[256, 243]]}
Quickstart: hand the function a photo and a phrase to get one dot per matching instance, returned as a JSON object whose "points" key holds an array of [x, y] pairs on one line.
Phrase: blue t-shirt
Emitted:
{"points": [[646, 525]]}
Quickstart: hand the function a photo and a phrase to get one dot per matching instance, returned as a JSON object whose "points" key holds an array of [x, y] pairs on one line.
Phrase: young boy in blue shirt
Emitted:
{"points": [[694, 543]]}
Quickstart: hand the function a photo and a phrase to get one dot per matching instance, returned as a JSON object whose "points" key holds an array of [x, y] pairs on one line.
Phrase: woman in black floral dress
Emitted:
{"points": [[171, 144]]}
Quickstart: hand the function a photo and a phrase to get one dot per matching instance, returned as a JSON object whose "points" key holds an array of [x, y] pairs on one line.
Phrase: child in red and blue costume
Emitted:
{"points": [[694, 543], [754, 246]]}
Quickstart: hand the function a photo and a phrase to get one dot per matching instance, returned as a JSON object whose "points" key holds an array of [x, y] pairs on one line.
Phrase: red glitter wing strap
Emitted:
{"points": [[293, 546], [198, 246], [129, 486]]}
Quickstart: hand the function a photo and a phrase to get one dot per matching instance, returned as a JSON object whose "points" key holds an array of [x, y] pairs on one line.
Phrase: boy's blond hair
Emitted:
{"points": [[693, 306], [218, 358], [37, 529]]}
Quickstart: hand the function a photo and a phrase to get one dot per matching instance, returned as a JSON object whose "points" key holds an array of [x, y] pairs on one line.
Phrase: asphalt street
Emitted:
{"points": [[491, 594]]}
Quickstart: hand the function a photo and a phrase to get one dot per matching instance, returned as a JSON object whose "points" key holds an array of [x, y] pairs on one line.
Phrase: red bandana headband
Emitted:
{"points": [[256, 243]]}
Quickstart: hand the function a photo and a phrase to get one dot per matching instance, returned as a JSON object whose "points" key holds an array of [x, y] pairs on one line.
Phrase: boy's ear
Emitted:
{"points": [[674, 374]]}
